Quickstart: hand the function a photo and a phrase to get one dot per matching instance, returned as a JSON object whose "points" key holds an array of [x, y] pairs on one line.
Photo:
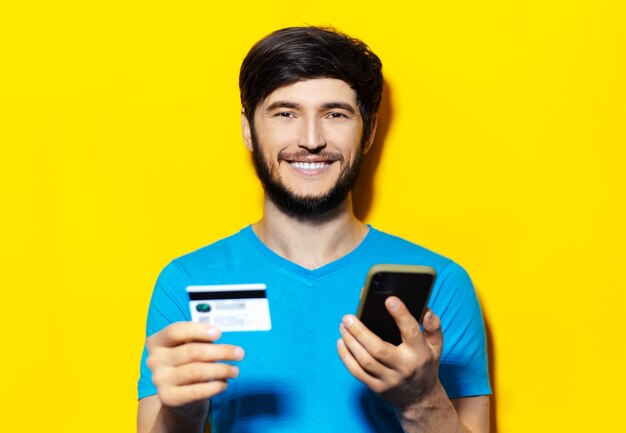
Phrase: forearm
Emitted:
{"points": [[433, 413], [191, 418]]}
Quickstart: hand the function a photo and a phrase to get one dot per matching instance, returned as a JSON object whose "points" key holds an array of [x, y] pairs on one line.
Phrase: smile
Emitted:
{"points": [[309, 165]]}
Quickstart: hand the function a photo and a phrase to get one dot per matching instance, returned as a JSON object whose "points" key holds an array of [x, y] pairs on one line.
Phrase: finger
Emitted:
{"points": [[181, 332], [355, 368], [202, 352], [432, 330], [198, 372], [407, 324], [181, 395], [365, 360], [384, 352]]}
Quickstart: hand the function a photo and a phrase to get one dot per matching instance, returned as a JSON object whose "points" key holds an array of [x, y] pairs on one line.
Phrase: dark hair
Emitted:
{"points": [[298, 53]]}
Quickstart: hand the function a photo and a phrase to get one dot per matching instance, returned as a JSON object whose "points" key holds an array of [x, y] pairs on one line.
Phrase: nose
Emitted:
{"points": [[312, 135]]}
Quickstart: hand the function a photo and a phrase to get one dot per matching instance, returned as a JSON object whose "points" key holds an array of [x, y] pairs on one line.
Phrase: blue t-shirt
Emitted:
{"points": [[292, 378]]}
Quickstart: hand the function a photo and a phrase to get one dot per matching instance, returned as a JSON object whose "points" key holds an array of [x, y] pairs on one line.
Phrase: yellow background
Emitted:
{"points": [[504, 134]]}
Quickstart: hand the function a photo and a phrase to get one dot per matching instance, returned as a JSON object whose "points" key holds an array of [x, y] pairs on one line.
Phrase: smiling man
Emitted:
{"points": [[310, 97], [309, 113]]}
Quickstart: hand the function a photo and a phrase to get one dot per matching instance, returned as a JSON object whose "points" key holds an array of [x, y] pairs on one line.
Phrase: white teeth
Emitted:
{"points": [[309, 165]]}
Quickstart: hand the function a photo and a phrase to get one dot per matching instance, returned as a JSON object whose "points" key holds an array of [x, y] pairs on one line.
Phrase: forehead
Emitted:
{"points": [[313, 92]]}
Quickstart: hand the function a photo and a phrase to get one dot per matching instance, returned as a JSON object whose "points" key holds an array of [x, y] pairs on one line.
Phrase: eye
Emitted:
{"points": [[336, 115], [286, 114]]}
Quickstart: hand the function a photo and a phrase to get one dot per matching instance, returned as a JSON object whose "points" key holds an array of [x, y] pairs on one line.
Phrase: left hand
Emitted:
{"points": [[403, 375]]}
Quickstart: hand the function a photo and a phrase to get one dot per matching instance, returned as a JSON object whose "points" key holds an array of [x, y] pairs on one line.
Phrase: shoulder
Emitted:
{"points": [[220, 262], [224, 250], [403, 250], [452, 279]]}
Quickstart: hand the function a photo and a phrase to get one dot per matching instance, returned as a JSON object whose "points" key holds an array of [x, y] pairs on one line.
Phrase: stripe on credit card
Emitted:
{"points": [[235, 294]]}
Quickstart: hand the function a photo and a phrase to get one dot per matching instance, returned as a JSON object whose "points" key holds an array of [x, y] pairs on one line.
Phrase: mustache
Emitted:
{"points": [[304, 154]]}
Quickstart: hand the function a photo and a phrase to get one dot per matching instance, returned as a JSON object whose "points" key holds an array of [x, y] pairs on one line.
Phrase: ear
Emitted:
{"points": [[372, 134], [246, 132]]}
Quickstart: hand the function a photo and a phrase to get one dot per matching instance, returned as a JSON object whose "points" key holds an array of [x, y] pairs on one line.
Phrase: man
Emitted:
{"points": [[310, 97]]}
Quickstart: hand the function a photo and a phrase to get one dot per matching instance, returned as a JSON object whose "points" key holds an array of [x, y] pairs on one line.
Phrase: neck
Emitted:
{"points": [[310, 242]]}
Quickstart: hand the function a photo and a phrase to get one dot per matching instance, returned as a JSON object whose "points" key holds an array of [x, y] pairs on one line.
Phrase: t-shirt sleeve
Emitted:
{"points": [[169, 304], [463, 368]]}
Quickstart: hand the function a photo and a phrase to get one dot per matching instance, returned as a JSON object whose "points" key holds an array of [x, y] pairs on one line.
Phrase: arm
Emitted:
{"points": [[186, 372], [153, 417], [473, 412], [406, 375], [468, 415]]}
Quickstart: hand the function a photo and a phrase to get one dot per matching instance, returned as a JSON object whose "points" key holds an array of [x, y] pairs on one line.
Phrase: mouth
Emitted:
{"points": [[308, 165], [310, 168]]}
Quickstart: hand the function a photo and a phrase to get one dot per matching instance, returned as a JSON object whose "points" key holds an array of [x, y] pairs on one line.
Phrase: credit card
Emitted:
{"points": [[232, 307]]}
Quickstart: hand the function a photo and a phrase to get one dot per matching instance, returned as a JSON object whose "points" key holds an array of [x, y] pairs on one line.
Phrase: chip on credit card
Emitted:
{"points": [[232, 307]]}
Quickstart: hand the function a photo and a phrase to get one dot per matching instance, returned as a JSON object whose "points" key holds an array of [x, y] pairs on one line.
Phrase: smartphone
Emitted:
{"points": [[411, 283]]}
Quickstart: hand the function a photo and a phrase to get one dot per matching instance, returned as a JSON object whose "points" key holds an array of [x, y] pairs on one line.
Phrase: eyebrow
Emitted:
{"points": [[326, 106], [341, 105], [282, 104]]}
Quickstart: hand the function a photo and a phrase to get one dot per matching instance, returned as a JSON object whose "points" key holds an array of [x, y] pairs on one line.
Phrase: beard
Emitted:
{"points": [[305, 205]]}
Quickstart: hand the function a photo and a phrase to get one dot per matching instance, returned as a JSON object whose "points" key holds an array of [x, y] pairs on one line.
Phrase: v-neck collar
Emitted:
{"points": [[344, 262]]}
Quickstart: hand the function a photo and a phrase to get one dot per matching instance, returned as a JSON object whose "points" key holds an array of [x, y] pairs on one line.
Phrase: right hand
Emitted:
{"points": [[184, 363]]}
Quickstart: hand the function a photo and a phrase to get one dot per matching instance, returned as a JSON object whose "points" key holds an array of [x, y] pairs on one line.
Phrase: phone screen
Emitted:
{"points": [[411, 286]]}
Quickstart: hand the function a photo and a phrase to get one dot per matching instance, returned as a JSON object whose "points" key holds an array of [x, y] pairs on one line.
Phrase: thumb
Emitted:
{"points": [[432, 330]]}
